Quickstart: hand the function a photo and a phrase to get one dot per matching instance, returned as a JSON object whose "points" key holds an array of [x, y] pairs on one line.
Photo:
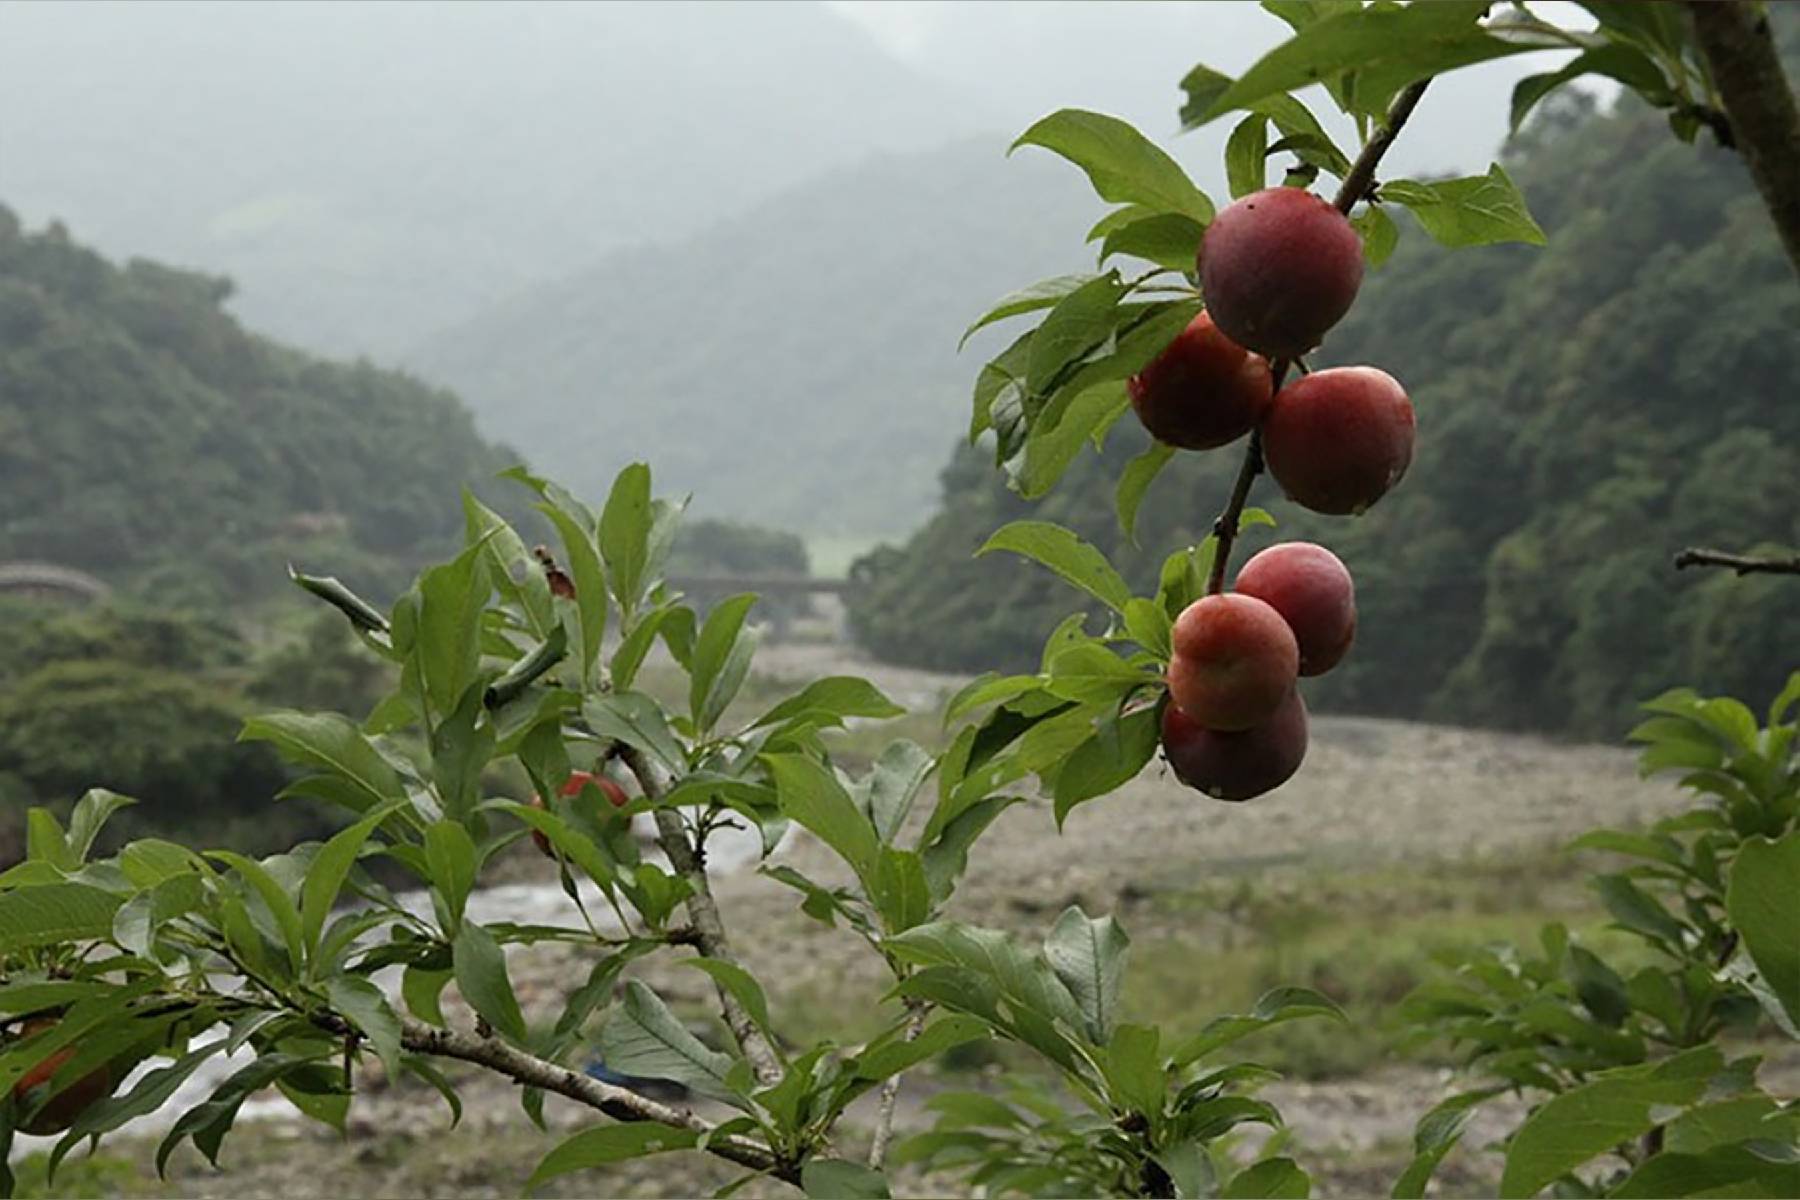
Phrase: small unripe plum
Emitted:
{"points": [[68, 1104], [576, 784], [1278, 269], [1203, 391], [1240, 765], [1310, 587], [1338, 439], [1234, 661]]}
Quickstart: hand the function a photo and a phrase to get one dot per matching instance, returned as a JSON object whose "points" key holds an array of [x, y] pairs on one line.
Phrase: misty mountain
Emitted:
{"points": [[369, 173], [796, 365]]}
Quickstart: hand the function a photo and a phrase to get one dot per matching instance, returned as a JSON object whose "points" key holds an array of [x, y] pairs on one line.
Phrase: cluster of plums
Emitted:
{"points": [[1278, 269]]}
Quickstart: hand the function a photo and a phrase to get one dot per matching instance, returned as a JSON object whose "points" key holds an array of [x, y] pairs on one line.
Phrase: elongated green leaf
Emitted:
{"points": [[1080, 321], [1040, 295], [1092, 674], [815, 800], [899, 889], [1617, 1106], [1628, 65], [1169, 240], [329, 868], [1276, 1006], [1135, 480], [887, 793], [514, 572], [885, 1058], [642, 1037], [332, 743], [625, 534], [1107, 760], [740, 983], [638, 721], [1736, 1171], [835, 1179], [603, 1144], [447, 641], [1124, 166], [1378, 233], [1088, 955], [721, 659], [1477, 210], [829, 701], [280, 904], [1763, 900], [587, 610], [1275, 1178], [480, 970], [1049, 449], [1245, 151], [90, 815], [1063, 552], [1435, 1135], [450, 853], [366, 1006]]}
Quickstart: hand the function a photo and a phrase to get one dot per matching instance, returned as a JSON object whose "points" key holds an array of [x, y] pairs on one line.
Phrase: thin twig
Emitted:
{"points": [[1743, 564], [1357, 184], [703, 911], [621, 1104], [890, 1091]]}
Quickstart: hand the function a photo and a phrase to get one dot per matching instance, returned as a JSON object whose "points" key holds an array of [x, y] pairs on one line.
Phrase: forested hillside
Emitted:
{"points": [[1582, 414], [149, 439], [796, 366]]}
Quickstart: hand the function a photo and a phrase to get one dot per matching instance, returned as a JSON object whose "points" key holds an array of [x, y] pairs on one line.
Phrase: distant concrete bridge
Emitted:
{"points": [[51, 581], [762, 585]]}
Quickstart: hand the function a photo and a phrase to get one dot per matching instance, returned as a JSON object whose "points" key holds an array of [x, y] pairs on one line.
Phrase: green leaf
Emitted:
{"points": [[366, 1006], [1088, 955], [1763, 901], [1135, 480], [447, 642], [1378, 233], [518, 576], [588, 610], [330, 866], [421, 989], [45, 841], [1049, 449], [835, 1179], [721, 659], [1149, 626], [90, 815], [887, 793], [450, 854], [1063, 552], [829, 701], [740, 983], [1079, 322], [1169, 240], [1388, 48], [899, 890], [625, 534], [815, 800], [638, 721], [989, 688], [946, 857], [602, 1144], [642, 1037], [1092, 674], [1435, 1135], [1637, 910], [1615, 1106], [1628, 65], [1044, 294], [1477, 210], [1272, 1177], [1601, 990], [1275, 1007], [280, 904], [480, 969], [1245, 153], [332, 743], [1019, 974], [885, 1058], [1124, 166], [1107, 760], [1734, 1171]]}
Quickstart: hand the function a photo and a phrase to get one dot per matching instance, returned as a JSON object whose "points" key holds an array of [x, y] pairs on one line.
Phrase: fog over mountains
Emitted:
{"points": [[629, 230]]}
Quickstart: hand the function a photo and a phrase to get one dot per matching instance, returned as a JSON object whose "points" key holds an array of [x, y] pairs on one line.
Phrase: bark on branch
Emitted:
{"points": [[1735, 41], [621, 1104], [1743, 564]]}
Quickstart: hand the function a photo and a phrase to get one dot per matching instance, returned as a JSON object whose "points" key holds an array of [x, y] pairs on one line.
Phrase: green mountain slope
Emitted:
{"points": [[149, 439], [795, 366], [1583, 412]]}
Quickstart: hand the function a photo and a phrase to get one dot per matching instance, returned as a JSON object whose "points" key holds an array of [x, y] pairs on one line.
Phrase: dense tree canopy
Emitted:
{"points": [[1582, 414]]}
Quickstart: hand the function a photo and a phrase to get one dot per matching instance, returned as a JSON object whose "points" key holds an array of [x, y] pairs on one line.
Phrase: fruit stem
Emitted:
{"points": [[1225, 527], [1361, 178]]}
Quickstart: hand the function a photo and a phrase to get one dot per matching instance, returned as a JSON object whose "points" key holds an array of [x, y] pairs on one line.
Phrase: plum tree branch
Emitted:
{"points": [[1743, 564], [1735, 41], [703, 911], [621, 1104], [1358, 182], [890, 1090]]}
